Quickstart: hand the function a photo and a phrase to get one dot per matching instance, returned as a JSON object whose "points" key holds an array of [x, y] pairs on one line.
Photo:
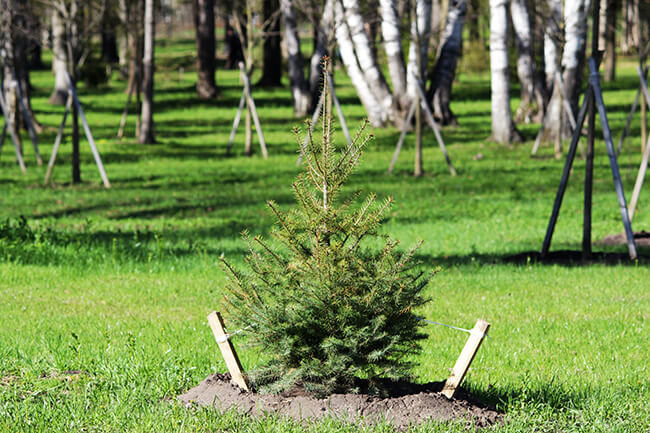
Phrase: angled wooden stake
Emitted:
{"points": [[227, 350], [466, 356]]}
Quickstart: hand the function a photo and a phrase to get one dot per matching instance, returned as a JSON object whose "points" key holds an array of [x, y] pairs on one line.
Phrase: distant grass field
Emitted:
{"points": [[104, 293]]}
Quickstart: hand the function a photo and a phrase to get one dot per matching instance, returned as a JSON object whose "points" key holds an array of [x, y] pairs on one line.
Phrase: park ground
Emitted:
{"points": [[104, 293]]}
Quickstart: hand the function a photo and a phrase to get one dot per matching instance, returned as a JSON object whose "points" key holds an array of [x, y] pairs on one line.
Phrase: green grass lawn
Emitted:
{"points": [[104, 293]]}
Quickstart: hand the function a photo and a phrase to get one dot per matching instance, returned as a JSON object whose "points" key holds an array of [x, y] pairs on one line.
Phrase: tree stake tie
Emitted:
{"points": [[473, 331], [226, 337]]}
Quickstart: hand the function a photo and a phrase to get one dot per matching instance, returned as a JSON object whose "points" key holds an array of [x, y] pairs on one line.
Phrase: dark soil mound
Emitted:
{"points": [[406, 405], [642, 239]]}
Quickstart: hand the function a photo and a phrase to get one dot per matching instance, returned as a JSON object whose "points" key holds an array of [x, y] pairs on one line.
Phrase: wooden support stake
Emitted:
{"points": [[251, 104], [227, 350], [28, 120], [429, 116], [314, 119], [57, 141], [337, 104], [466, 357], [235, 123], [400, 142], [89, 136], [639, 180], [12, 133]]}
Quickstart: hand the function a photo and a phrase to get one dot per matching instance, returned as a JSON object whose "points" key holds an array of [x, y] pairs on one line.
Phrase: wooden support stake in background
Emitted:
{"points": [[466, 356], [227, 351]]}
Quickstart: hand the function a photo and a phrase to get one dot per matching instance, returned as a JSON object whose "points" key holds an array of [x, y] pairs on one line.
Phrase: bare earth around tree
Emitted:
{"points": [[408, 404]]}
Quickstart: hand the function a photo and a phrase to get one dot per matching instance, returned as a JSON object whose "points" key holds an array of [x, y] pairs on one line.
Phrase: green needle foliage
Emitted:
{"points": [[330, 310]]}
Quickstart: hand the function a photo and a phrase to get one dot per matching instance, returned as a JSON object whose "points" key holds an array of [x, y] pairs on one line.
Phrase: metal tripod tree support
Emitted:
{"points": [[319, 107], [593, 95], [247, 97], [73, 99], [421, 99]]}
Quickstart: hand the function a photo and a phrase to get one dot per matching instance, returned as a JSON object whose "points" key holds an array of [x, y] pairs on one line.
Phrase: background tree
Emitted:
{"points": [[206, 87], [147, 126], [531, 107], [299, 87], [503, 128], [443, 73], [272, 52]]}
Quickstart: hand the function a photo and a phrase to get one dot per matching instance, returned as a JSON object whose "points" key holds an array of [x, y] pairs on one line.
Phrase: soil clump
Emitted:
{"points": [[406, 404]]}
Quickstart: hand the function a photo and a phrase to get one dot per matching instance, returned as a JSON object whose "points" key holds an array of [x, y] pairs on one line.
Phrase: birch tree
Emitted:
{"points": [[503, 128], [390, 30], [573, 60], [59, 59], [147, 126], [299, 90], [420, 29], [444, 71], [376, 114], [531, 107], [367, 62], [552, 39]]}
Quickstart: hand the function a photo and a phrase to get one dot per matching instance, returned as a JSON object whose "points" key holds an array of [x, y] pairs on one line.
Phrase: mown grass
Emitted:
{"points": [[104, 293]]}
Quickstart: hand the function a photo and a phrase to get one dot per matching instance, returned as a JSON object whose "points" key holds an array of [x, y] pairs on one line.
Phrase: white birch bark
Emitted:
{"points": [[346, 48], [59, 60], [371, 72], [390, 31], [502, 125], [442, 75], [552, 41], [573, 56], [531, 106], [296, 71], [572, 63], [420, 28], [147, 127]]}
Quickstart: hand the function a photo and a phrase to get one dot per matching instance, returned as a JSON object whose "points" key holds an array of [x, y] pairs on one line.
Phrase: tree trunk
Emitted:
{"points": [[299, 91], [34, 48], [390, 30], [573, 56], [109, 38], [59, 60], [272, 65], [503, 128], [552, 40], [325, 32], [442, 75], [371, 72], [473, 16], [346, 48], [420, 29], [147, 127], [631, 22], [16, 73], [609, 35], [531, 107], [206, 87]]}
